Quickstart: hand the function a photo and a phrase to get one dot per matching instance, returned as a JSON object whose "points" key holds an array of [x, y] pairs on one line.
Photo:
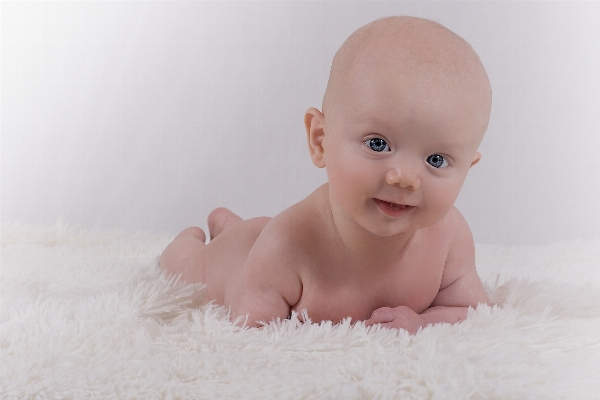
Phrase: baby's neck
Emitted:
{"points": [[362, 245]]}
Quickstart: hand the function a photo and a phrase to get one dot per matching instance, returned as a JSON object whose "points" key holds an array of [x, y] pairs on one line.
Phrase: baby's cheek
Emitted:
{"points": [[349, 181], [357, 175], [440, 201], [342, 182]]}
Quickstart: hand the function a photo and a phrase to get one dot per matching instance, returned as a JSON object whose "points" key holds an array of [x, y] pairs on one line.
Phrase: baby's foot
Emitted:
{"points": [[220, 219], [174, 258]]}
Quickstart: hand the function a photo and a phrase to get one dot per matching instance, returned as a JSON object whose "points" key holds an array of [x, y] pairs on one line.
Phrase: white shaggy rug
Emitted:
{"points": [[87, 314]]}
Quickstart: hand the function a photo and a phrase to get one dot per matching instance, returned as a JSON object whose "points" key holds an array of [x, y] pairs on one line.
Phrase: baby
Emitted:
{"points": [[405, 109]]}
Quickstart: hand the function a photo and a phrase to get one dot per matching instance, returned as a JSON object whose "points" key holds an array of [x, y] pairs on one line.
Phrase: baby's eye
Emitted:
{"points": [[437, 161], [377, 145]]}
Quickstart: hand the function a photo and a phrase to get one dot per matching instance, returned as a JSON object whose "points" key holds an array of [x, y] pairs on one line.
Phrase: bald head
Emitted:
{"points": [[409, 48]]}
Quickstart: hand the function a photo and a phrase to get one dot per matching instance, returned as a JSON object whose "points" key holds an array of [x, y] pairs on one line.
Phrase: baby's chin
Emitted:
{"points": [[387, 229], [397, 227]]}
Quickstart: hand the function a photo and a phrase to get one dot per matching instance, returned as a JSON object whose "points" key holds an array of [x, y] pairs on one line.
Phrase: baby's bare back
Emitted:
{"points": [[293, 261]]}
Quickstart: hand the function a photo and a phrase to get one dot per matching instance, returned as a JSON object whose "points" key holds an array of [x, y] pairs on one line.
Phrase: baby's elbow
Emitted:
{"points": [[242, 320], [247, 320], [253, 313], [481, 298]]}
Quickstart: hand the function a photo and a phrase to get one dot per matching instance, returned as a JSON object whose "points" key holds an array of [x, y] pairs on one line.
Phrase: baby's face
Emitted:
{"points": [[397, 149]]}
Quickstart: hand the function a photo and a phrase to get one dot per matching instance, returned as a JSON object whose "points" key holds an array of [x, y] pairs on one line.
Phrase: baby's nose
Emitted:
{"points": [[405, 178]]}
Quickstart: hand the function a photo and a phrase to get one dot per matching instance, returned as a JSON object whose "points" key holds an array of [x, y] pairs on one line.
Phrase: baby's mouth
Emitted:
{"points": [[391, 205], [392, 208], [395, 206]]}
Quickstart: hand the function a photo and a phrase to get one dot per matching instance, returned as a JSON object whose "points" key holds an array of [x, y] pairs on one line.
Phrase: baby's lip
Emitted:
{"points": [[392, 209], [401, 206]]}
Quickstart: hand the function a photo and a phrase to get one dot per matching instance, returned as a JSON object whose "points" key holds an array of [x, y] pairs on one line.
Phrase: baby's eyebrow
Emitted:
{"points": [[450, 146]]}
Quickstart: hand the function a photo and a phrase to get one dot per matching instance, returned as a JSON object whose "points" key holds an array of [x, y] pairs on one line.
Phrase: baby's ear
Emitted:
{"points": [[476, 158], [315, 133]]}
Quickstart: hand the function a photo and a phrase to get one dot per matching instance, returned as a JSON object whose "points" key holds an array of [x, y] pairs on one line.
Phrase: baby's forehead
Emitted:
{"points": [[428, 112]]}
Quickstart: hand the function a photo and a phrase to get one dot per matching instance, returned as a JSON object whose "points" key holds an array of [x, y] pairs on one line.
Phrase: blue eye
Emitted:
{"points": [[377, 145], [437, 161]]}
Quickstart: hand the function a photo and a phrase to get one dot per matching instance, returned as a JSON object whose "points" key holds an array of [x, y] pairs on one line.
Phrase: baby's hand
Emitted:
{"points": [[400, 318]]}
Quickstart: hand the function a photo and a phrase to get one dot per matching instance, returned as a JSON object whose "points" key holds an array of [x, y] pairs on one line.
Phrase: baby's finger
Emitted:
{"points": [[381, 315]]}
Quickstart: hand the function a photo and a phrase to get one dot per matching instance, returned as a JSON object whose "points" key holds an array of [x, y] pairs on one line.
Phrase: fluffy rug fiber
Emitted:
{"points": [[87, 314]]}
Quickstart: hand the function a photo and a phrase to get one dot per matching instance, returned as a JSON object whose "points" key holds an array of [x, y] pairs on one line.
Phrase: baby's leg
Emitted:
{"points": [[219, 220], [217, 263], [174, 258]]}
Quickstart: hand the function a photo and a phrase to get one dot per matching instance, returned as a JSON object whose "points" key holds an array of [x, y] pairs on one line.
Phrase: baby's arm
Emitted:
{"points": [[268, 285], [460, 288]]}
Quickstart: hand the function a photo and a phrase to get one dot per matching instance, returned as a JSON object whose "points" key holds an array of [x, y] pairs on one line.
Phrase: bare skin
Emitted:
{"points": [[381, 242]]}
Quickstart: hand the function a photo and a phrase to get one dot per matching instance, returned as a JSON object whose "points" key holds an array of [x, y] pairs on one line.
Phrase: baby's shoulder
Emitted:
{"points": [[453, 222], [456, 234], [445, 234], [295, 226]]}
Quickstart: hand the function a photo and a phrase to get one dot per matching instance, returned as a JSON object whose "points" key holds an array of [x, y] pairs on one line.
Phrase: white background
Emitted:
{"points": [[150, 114]]}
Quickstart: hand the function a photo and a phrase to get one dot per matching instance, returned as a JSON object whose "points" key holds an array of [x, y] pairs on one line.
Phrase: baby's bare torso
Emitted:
{"points": [[326, 279]]}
